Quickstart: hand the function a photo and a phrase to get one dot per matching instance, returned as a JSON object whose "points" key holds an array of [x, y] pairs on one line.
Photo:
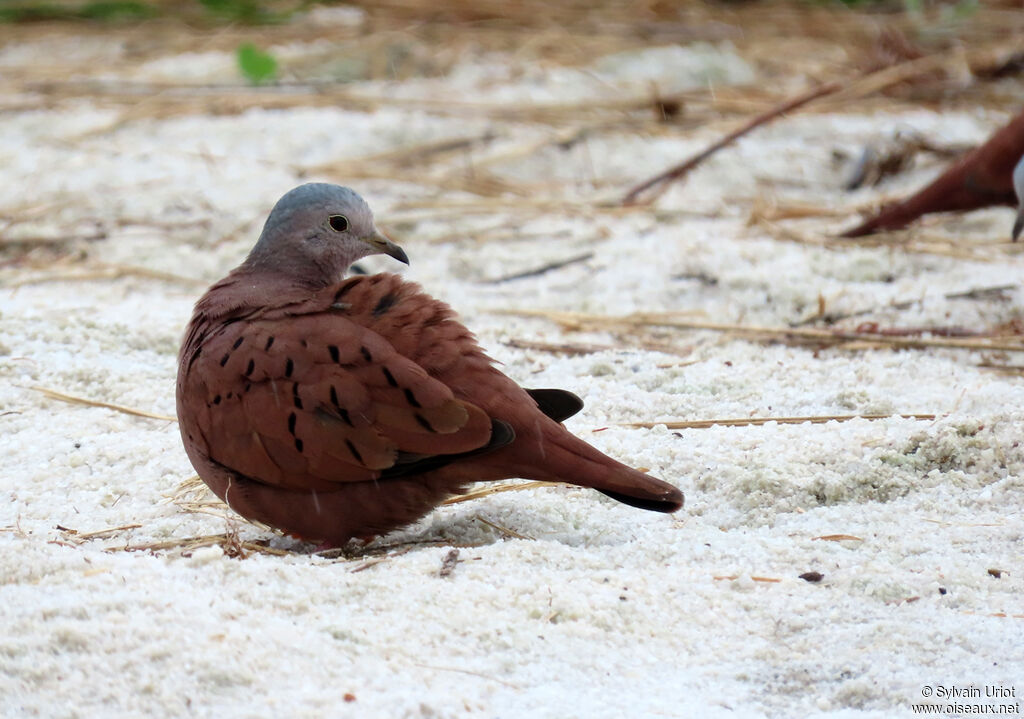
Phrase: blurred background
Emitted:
{"points": [[497, 100]]}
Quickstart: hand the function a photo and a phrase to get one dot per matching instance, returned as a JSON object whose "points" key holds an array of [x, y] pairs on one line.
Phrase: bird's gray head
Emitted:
{"points": [[316, 231]]}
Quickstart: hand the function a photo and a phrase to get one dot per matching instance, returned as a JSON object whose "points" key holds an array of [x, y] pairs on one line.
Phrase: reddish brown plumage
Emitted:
{"points": [[352, 409]]}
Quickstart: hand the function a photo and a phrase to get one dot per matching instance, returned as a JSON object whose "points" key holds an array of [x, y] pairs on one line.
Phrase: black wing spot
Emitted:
{"points": [[291, 423], [225, 358], [342, 412], [194, 357], [354, 451], [366, 354], [389, 377], [250, 367], [384, 304], [295, 396], [424, 423], [335, 355], [238, 343], [270, 343], [248, 386], [298, 444], [289, 367], [343, 290], [216, 400], [411, 398], [501, 435]]}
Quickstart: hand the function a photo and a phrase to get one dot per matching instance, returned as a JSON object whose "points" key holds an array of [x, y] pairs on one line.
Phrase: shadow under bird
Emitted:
{"points": [[335, 408]]}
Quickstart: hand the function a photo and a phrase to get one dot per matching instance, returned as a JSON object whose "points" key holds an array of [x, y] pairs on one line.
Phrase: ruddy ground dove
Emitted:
{"points": [[983, 177], [333, 408]]}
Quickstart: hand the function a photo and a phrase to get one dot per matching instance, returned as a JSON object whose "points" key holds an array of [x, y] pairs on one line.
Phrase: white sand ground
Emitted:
{"points": [[604, 611]]}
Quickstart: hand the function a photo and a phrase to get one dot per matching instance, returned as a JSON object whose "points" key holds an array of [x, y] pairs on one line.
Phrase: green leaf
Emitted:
{"points": [[249, 12], [257, 66]]}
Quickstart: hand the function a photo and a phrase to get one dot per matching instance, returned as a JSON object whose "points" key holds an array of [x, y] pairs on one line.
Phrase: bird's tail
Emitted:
{"points": [[567, 458]]}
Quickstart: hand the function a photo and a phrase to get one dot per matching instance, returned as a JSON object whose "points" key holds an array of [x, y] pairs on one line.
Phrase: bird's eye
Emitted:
{"points": [[339, 223]]}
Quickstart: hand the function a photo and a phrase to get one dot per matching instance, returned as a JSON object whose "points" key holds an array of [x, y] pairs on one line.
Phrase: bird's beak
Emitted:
{"points": [[1018, 224], [383, 245]]}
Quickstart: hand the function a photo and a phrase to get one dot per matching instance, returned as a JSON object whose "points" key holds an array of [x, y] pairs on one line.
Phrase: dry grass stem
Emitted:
{"points": [[71, 399], [369, 563], [504, 530], [497, 488], [96, 534], [805, 335], [103, 272], [469, 673], [979, 293], [1012, 369], [49, 240], [228, 541], [910, 240]]}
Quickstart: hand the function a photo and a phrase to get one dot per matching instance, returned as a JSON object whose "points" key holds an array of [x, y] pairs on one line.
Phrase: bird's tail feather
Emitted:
{"points": [[569, 459]]}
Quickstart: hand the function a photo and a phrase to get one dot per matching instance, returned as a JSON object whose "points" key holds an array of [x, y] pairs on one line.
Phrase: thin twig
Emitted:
{"points": [[468, 672], [1010, 369], [677, 171], [570, 348], [758, 421], [567, 348], [504, 530], [105, 532], [979, 293], [862, 340], [543, 269], [905, 240], [489, 489], [97, 533]]}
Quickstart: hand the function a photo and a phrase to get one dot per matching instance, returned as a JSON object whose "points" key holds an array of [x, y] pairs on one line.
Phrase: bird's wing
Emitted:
{"points": [[308, 395]]}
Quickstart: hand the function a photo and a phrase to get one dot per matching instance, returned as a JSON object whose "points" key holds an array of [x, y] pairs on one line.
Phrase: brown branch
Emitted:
{"points": [[674, 173]]}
